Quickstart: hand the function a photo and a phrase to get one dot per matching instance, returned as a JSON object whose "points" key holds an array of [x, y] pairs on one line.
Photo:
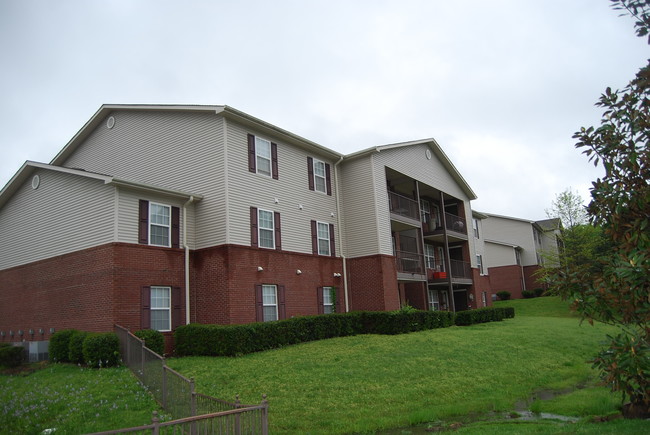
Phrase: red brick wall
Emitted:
{"points": [[416, 295], [506, 278], [225, 277], [373, 283], [481, 284], [89, 290], [531, 281]]}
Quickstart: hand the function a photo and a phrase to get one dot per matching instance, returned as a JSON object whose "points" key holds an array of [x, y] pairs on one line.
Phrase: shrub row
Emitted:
{"points": [[153, 339], [10, 355], [484, 315], [80, 347], [232, 340]]}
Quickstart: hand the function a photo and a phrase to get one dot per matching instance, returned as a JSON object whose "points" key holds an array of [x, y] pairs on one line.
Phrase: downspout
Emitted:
{"points": [[338, 224], [187, 261]]}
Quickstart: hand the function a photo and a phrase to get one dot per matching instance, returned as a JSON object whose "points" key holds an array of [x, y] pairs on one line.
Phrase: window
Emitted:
{"points": [[425, 213], [265, 229], [430, 256], [479, 262], [328, 298], [434, 304], [441, 256], [518, 257], [319, 176], [484, 298], [161, 308], [270, 302], [320, 184], [475, 226], [262, 156], [159, 224], [322, 239]]}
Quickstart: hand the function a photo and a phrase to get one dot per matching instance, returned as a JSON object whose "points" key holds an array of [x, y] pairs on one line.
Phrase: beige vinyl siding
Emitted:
{"points": [[291, 190], [499, 255], [65, 214], [412, 161], [512, 231], [175, 150], [128, 215], [359, 201]]}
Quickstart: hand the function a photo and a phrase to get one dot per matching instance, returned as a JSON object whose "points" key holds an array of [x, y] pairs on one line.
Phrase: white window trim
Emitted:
{"points": [[169, 227], [260, 229], [430, 255], [323, 177], [259, 155], [168, 309], [433, 305], [319, 238], [481, 267], [277, 314], [327, 293]]}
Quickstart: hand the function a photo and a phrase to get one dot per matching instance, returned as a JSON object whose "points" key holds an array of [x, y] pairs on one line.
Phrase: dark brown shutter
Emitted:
{"points": [[314, 238], [252, 167], [328, 179], [274, 160], [282, 312], [319, 299], [332, 241], [310, 172], [145, 308], [176, 227], [278, 230], [143, 228], [254, 235], [177, 306], [259, 307]]}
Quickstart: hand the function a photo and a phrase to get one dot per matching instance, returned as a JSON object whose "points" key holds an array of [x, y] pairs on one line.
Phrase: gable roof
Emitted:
{"points": [[437, 150], [29, 167], [225, 111]]}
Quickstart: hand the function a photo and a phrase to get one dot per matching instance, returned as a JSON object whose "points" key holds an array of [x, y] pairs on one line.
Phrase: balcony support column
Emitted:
{"points": [[446, 251]]}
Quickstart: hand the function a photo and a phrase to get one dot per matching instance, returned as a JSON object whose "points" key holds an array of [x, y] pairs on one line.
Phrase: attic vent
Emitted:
{"points": [[110, 122], [36, 181]]}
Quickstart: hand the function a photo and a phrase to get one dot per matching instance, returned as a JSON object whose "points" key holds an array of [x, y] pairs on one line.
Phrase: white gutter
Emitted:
{"points": [[187, 261], [338, 224]]}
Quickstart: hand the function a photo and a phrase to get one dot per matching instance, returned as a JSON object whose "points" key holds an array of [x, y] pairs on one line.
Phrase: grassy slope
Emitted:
{"points": [[367, 383], [73, 400]]}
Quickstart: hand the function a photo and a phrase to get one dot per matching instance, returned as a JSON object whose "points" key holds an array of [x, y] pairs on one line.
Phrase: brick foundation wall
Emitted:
{"points": [[531, 281], [89, 290], [415, 293], [506, 278], [224, 280], [373, 283], [481, 284]]}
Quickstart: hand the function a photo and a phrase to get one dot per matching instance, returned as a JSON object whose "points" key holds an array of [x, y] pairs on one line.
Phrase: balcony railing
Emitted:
{"points": [[403, 206], [455, 223], [459, 270], [409, 262]]}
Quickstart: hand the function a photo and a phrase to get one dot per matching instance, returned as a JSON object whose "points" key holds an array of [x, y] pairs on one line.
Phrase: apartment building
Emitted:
{"points": [[513, 249], [155, 216]]}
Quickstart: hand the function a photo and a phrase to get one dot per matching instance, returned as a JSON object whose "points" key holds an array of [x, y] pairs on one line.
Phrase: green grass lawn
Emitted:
{"points": [[369, 383], [362, 384], [73, 400]]}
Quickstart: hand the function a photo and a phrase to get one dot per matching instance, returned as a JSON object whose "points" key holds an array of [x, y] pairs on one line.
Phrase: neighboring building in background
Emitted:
{"points": [[157, 216], [514, 249]]}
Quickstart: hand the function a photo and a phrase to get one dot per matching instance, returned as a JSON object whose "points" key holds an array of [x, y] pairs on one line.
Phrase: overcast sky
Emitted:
{"points": [[502, 85]]}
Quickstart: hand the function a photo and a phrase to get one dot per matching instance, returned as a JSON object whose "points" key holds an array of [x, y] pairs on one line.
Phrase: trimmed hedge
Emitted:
{"points": [[75, 347], [11, 356], [59, 348], [484, 315], [232, 340], [153, 339], [101, 349]]}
